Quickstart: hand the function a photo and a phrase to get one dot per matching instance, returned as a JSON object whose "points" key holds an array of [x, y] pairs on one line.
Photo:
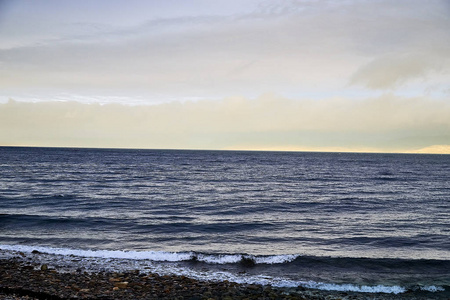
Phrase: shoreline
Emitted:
{"points": [[24, 280]]}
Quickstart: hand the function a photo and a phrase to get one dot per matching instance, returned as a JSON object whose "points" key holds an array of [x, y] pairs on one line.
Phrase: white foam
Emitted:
{"points": [[276, 259], [356, 288], [154, 255], [219, 259], [432, 288], [235, 258], [136, 259], [136, 255], [277, 281]]}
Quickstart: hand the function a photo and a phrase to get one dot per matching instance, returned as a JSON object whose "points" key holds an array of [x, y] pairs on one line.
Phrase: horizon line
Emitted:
{"points": [[348, 151]]}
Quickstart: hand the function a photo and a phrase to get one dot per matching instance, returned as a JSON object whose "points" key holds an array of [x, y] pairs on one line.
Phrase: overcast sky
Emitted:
{"points": [[275, 75]]}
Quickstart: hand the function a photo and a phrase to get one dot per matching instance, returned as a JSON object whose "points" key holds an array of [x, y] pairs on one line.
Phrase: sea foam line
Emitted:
{"points": [[118, 254], [115, 261], [159, 256], [275, 281]]}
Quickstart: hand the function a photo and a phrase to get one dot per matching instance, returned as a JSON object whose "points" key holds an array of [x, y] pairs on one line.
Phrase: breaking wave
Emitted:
{"points": [[162, 263], [157, 256]]}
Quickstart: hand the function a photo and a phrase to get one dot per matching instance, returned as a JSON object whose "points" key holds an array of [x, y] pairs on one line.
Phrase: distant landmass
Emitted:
{"points": [[435, 149]]}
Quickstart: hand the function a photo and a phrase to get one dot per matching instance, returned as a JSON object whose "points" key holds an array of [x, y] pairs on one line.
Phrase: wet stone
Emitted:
{"points": [[121, 285], [15, 277]]}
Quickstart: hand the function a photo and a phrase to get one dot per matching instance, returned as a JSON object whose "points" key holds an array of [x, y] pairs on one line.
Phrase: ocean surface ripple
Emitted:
{"points": [[318, 219]]}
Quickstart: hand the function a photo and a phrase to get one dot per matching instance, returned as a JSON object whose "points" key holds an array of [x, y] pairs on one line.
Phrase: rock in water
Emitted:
{"points": [[247, 262]]}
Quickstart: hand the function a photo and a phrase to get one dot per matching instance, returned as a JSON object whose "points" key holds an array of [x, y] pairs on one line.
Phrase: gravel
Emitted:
{"points": [[24, 280]]}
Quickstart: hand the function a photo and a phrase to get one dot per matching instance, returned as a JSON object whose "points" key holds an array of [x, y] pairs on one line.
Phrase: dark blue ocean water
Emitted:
{"points": [[364, 222]]}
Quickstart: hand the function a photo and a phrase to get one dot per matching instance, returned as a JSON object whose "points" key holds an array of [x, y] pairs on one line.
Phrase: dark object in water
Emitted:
{"points": [[247, 262]]}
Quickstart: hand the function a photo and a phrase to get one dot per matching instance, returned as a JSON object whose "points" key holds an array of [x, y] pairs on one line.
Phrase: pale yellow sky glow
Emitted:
{"points": [[369, 76], [383, 124]]}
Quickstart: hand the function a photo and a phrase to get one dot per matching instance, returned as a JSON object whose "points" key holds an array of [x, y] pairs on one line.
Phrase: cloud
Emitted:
{"points": [[386, 123], [409, 47], [391, 71], [209, 52], [292, 47]]}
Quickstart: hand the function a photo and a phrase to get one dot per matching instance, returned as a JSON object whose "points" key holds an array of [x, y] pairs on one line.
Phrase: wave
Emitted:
{"points": [[281, 282], [384, 264], [161, 262], [157, 256]]}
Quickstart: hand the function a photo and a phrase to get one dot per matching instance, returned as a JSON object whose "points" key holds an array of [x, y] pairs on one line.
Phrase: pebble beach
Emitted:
{"points": [[20, 279]]}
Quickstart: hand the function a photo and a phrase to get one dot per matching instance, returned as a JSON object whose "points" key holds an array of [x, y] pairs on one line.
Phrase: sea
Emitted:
{"points": [[357, 222]]}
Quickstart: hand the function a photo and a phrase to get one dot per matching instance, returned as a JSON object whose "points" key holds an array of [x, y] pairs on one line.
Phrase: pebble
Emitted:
{"points": [[121, 285], [19, 281]]}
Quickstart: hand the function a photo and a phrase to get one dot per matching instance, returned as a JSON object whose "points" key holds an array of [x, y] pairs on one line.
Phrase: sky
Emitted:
{"points": [[289, 75]]}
